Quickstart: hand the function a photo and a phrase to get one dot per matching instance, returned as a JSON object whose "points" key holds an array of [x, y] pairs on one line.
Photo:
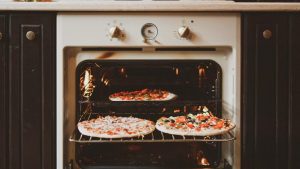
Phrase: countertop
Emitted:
{"points": [[225, 6]]}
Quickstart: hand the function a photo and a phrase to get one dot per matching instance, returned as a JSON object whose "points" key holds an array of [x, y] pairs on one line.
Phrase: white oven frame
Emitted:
{"points": [[70, 40]]}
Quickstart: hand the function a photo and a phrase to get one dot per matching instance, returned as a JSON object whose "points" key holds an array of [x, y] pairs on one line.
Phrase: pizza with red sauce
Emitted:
{"points": [[116, 127], [143, 95], [202, 124]]}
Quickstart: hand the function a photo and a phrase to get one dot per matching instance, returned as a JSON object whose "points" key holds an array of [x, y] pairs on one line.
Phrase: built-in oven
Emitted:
{"points": [[196, 56]]}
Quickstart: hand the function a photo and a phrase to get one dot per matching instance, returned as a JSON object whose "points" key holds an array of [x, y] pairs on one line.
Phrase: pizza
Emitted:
{"points": [[202, 124], [116, 127], [143, 95]]}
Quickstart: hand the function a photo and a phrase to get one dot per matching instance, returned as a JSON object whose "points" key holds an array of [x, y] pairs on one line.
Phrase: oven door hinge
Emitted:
{"points": [[69, 165]]}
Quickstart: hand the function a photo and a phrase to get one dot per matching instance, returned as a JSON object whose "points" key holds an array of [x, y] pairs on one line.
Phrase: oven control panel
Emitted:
{"points": [[156, 29], [149, 31]]}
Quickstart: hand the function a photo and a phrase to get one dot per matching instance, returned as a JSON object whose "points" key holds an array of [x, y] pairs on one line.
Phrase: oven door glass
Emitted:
{"points": [[196, 85]]}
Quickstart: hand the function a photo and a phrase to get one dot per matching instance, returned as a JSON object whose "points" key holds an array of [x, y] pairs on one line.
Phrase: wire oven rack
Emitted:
{"points": [[149, 103], [155, 136]]}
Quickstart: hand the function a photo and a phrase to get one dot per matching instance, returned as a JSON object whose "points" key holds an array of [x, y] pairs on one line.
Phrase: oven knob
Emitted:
{"points": [[184, 32], [115, 32]]}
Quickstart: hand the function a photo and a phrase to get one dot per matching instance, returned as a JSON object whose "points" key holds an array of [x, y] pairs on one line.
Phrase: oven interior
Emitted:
{"points": [[197, 84]]}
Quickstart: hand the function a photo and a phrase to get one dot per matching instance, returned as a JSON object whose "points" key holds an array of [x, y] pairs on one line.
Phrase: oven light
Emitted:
{"points": [[86, 78], [199, 108], [176, 70], [204, 161], [86, 83], [177, 111], [201, 72], [122, 70], [106, 82], [205, 109], [97, 65]]}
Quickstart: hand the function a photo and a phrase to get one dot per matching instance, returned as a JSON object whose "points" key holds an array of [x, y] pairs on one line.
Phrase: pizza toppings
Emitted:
{"points": [[116, 127], [204, 120], [199, 125], [142, 95]]}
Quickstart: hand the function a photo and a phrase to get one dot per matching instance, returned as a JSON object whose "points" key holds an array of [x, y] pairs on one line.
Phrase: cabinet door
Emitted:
{"points": [[294, 111], [265, 90], [3, 87], [32, 93]]}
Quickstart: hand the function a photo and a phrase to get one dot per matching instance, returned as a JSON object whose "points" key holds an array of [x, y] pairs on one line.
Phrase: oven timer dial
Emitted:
{"points": [[149, 31]]}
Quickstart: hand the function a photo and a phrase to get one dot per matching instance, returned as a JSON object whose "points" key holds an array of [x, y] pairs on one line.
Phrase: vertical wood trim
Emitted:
{"points": [[264, 96], [294, 93], [291, 23], [31, 97], [282, 89], [3, 98], [13, 97], [43, 93], [277, 58], [256, 137], [21, 100], [247, 114]]}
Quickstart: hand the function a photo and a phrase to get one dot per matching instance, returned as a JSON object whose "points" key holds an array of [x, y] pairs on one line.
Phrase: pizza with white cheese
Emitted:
{"points": [[116, 127], [202, 124], [143, 95]]}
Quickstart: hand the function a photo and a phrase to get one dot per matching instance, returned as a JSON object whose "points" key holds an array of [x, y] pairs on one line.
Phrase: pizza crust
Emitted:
{"points": [[86, 133], [83, 130], [170, 96]]}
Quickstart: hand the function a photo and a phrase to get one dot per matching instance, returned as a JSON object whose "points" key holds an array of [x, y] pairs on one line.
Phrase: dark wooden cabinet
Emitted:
{"points": [[27, 53], [269, 87], [3, 86]]}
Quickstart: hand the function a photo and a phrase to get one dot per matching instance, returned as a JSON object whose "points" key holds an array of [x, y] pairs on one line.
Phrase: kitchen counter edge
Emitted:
{"points": [[184, 6]]}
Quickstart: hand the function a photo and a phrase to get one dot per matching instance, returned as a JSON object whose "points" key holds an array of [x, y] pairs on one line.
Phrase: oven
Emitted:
{"points": [[194, 55]]}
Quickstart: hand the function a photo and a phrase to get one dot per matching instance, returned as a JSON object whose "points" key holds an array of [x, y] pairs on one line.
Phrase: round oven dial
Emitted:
{"points": [[184, 32], [149, 31], [115, 32]]}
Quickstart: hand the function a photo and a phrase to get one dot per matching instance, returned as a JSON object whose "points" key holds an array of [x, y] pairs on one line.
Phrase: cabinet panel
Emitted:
{"points": [[294, 112], [3, 87], [32, 78], [265, 91]]}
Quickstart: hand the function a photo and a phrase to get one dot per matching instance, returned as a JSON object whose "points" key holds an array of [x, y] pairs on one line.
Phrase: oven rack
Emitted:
{"points": [[155, 136], [149, 103]]}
